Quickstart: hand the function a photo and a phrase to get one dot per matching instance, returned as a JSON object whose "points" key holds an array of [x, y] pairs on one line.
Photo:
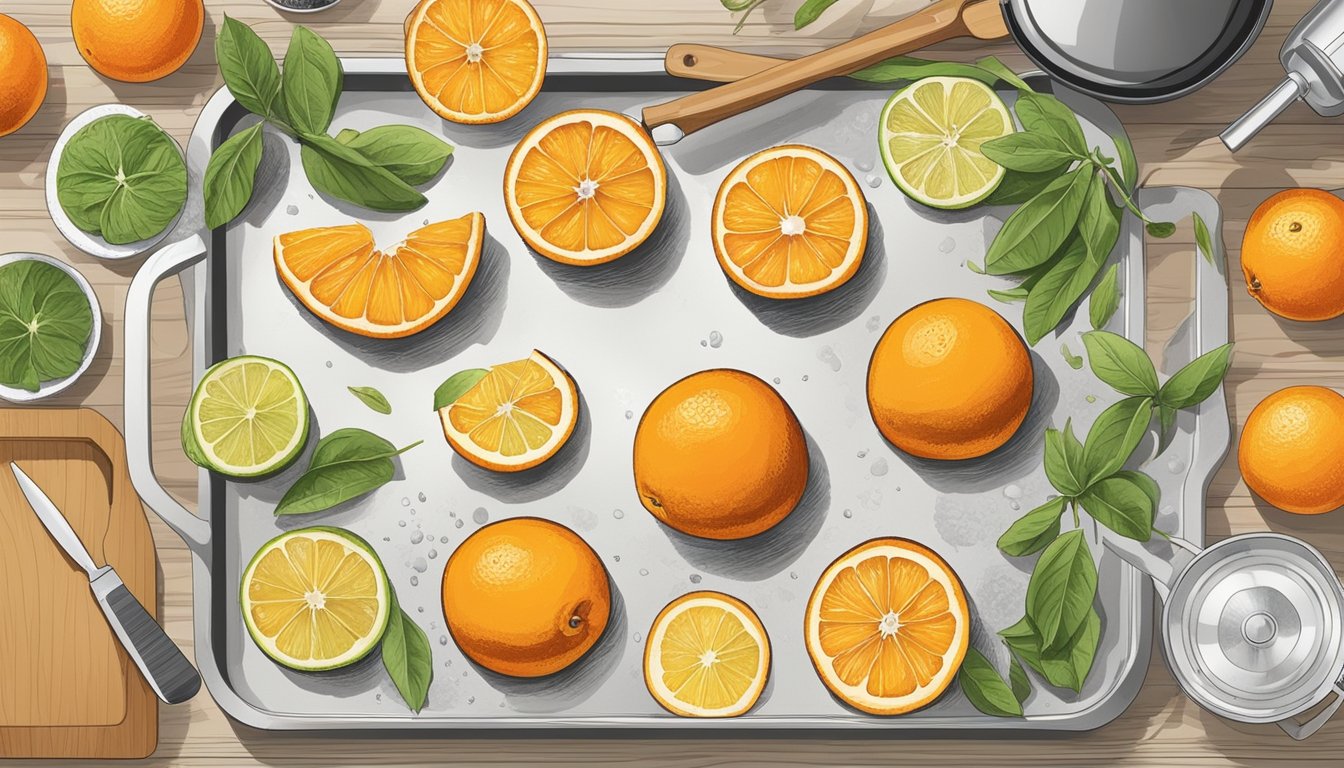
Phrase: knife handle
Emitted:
{"points": [[167, 671]]}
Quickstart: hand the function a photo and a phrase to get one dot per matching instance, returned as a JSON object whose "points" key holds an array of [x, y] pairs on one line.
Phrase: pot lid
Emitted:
{"points": [[1253, 628]]}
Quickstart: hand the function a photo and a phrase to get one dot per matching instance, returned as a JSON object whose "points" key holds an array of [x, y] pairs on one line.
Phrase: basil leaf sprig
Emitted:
{"points": [[45, 324], [380, 172], [407, 656], [346, 464], [1059, 633]]}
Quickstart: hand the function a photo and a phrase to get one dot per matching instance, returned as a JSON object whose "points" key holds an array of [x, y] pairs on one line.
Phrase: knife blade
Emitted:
{"points": [[167, 671]]}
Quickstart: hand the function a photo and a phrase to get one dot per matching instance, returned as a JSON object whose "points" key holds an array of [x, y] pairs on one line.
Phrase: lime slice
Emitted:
{"points": [[930, 134], [248, 417], [315, 598]]}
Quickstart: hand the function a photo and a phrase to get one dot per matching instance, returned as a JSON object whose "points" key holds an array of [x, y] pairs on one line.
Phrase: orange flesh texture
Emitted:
{"points": [[485, 53]]}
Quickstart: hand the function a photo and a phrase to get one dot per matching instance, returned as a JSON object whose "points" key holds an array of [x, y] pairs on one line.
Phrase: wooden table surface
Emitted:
{"points": [[1175, 143]]}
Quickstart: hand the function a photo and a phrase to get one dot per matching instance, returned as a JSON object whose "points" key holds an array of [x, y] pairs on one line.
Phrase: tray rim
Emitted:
{"points": [[1110, 704]]}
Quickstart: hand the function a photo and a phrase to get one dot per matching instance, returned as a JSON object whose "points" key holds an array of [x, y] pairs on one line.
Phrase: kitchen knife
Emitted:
{"points": [[166, 670]]}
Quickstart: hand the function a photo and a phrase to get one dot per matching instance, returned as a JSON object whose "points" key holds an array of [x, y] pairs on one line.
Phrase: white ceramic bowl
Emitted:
{"points": [[49, 388], [93, 244]]}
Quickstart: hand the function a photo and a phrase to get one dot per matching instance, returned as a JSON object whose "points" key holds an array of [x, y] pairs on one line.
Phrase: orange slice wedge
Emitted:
{"points": [[476, 61], [707, 656], [585, 187], [887, 626], [510, 417], [342, 278], [790, 222]]}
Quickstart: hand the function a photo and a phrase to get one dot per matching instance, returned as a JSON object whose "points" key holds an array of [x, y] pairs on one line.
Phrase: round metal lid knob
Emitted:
{"points": [[1259, 628]]}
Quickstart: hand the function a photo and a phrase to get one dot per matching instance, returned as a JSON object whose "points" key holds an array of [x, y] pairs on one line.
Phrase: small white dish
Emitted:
{"points": [[89, 243], [286, 9], [49, 388]]}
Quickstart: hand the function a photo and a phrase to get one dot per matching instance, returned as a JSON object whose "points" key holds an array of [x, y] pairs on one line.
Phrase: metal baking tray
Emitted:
{"points": [[626, 331]]}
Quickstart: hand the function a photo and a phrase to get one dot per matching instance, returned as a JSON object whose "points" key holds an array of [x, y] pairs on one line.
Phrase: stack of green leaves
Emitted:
{"points": [[1059, 634], [375, 169], [45, 323], [121, 178]]}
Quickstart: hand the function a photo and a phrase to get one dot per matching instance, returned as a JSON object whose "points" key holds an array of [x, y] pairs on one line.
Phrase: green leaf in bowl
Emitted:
{"points": [[45, 324]]}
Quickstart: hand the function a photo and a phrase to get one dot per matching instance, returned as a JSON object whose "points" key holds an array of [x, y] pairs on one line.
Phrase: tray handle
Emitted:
{"points": [[167, 262]]}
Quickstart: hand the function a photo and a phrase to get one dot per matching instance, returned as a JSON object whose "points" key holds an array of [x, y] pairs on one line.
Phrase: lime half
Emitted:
{"points": [[930, 134], [315, 598], [248, 417]]}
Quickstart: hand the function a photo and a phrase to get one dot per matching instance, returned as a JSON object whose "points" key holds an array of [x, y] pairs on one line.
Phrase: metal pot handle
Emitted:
{"points": [[139, 453], [1164, 570], [1299, 731]]}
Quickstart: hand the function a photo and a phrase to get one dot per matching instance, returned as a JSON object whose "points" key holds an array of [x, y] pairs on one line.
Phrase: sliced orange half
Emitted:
{"points": [[707, 656], [887, 626], [790, 222], [510, 417], [342, 278], [476, 61], [585, 187]]}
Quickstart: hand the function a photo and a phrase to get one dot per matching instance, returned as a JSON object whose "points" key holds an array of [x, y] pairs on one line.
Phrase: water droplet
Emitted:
{"points": [[415, 580], [1176, 465], [292, 210], [443, 539], [776, 380], [874, 180], [898, 489], [420, 609], [1012, 491], [401, 523], [695, 578], [715, 339], [618, 514], [879, 468], [420, 565], [417, 536], [828, 356], [376, 696], [433, 625], [873, 323], [457, 523], [805, 377], [422, 496], [471, 699], [849, 513], [863, 453], [643, 571], [864, 164], [443, 640], [480, 516], [310, 196], [452, 513], [704, 343], [629, 415], [328, 363], [387, 538], [433, 553], [1013, 505], [1091, 398], [793, 575], [413, 512], [405, 501], [948, 245], [639, 638], [464, 673]]}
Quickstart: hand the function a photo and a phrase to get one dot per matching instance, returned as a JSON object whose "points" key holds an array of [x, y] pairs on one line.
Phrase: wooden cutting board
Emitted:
{"points": [[67, 689]]}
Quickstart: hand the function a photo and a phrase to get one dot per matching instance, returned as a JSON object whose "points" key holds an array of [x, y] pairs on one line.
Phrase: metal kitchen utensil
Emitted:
{"points": [[626, 331], [166, 670], [1251, 626], [1313, 54], [1135, 51]]}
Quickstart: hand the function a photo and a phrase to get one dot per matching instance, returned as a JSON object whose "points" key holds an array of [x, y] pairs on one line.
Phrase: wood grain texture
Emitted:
{"points": [[69, 690], [1176, 144]]}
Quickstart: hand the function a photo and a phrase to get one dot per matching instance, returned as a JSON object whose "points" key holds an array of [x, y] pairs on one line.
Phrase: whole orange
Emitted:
{"points": [[1292, 254], [720, 455], [1292, 450], [950, 379], [137, 41], [525, 597], [23, 84]]}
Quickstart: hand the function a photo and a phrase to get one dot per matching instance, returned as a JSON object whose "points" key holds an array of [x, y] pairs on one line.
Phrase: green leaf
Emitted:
{"points": [[248, 68], [1075, 362], [1025, 642], [1199, 379], [1105, 298], [335, 169], [1129, 165], [1034, 530], [1161, 229], [1018, 187], [1166, 420], [1017, 680], [1009, 296], [347, 135], [1039, 226], [1203, 240], [1058, 290], [407, 656], [1122, 505], [1121, 363], [311, 81], [346, 464], [372, 398], [456, 386], [984, 688], [1068, 665], [1000, 70], [1028, 152], [1043, 113], [1099, 221], [1145, 483], [231, 176], [123, 178], [809, 11], [1114, 436], [1063, 466], [45, 324], [1061, 590], [412, 154], [909, 69]]}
